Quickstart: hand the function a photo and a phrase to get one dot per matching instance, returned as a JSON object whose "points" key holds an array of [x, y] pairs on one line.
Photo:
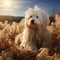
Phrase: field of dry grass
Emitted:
{"points": [[8, 32]]}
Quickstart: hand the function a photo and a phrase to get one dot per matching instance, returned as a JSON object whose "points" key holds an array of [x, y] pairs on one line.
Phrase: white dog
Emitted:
{"points": [[35, 34]]}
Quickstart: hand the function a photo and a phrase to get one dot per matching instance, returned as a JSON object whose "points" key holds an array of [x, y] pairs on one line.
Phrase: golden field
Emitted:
{"points": [[8, 32]]}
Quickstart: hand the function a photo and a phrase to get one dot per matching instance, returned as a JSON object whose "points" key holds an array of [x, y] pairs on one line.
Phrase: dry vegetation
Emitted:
{"points": [[9, 51]]}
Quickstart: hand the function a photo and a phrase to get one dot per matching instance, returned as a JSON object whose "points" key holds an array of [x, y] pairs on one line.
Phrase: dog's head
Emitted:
{"points": [[36, 17]]}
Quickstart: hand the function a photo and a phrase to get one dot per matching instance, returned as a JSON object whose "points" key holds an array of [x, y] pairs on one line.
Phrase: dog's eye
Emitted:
{"points": [[37, 17], [30, 16]]}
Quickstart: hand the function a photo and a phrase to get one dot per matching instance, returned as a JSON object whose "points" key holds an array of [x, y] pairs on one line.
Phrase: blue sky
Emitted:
{"points": [[18, 7]]}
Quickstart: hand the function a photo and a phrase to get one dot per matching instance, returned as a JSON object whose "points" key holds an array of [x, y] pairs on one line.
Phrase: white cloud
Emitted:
{"points": [[16, 6], [13, 9]]}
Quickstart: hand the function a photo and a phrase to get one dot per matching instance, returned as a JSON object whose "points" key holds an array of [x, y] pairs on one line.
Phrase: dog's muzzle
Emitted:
{"points": [[33, 24]]}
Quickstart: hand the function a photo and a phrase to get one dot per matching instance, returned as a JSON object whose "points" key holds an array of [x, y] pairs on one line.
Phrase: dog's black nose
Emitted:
{"points": [[32, 21]]}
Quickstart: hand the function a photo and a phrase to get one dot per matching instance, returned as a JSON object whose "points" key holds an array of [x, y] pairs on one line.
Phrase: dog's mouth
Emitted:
{"points": [[34, 25]]}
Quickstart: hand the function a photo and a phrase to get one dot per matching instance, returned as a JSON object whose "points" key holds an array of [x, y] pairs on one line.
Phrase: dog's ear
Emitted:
{"points": [[46, 20], [45, 17]]}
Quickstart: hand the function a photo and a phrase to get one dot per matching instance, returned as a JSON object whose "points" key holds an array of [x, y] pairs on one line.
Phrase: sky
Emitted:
{"points": [[18, 7]]}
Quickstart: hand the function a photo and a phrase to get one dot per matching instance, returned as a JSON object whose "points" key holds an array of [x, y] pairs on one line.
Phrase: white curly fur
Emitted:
{"points": [[35, 36]]}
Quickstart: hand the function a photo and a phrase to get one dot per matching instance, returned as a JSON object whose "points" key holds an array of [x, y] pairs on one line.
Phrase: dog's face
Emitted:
{"points": [[34, 18]]}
